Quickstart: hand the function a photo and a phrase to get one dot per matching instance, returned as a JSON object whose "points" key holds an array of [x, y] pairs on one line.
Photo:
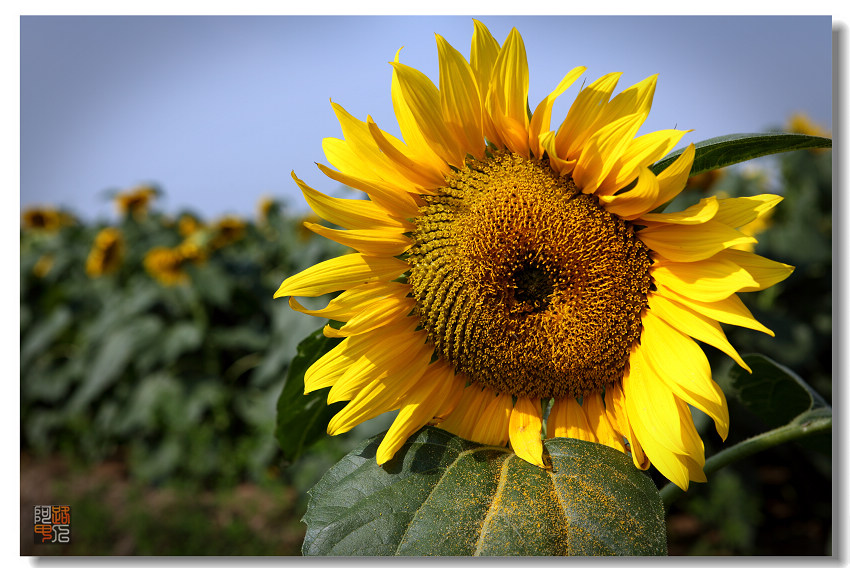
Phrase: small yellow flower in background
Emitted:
{"points": [[753, 229], [501, 266], [166, 265], [704, 181], [191, 251], [44, 219], [106, 253], [264, 207], [227, 230], [135, 202], [43, 265], [303, 228], [188, 225], [800, 123]]}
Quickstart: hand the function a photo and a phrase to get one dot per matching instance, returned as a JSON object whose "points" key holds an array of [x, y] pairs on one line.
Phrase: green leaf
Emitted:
{"points": [[113, 357], [442, 495], [43, 334], [303, 419], [181, 337], [773, 392], [735, 148]]}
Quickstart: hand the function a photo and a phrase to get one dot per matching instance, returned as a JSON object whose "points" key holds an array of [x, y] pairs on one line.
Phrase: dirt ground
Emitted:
{"points": [[113, 515]]}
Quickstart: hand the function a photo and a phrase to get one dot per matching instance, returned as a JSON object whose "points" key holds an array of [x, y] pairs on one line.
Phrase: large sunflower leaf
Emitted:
{"points": [[442, 495], [773, 392], [735, 148], [303, 419]]}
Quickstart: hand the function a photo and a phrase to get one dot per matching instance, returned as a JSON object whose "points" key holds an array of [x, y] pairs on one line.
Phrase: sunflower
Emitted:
{"points": [[45, 219], [188, 225], [166, 265], [505, 269], [135, 202], [106, 253], [227, 230], [801, 123]]}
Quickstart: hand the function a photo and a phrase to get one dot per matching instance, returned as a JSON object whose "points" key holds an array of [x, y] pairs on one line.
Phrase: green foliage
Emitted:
{"points": [[773, 392], [442, 495], [724, 151], [179, 380], [790, 485], [303, 419]]}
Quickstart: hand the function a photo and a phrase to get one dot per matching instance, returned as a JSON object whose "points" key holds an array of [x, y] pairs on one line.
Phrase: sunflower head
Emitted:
{"points": [[43, 265], [106, 253], [166, 265], [227, 230], [44, 219], [266, 207], [506, 267], [135, 202], [188, 224], [801, 123]]}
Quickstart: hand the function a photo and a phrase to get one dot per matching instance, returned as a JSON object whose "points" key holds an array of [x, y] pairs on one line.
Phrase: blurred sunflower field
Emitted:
{"points": [[153, 358]]}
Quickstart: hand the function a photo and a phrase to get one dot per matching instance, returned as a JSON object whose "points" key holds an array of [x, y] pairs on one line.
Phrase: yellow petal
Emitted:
{"points": [[423, 101], [358, 155], [482, 59], [660, 414], [616, 402], [352, 301], [379, 313], [422, 175], [459, 99], [419, 405], [730, 310], [679, 363], [451, 401], [576, 128], [507, 95], [672, 180], [559, 166], [705, 281], [492, 428], [602, 150], [642, 421], [764, 271], [691, 243], [695, 471], [374, 242], [379, 396], [397, 201], [641, 152], [349, 213], [392, 355], [698, 213], [331, 366], [525, 426], [635, 202], [694, 324], [738, 211], [418, 147], [340, 273], [637, 99], [678, 467], [598, 420], [465, 417], [568, 420], [541, 119]]}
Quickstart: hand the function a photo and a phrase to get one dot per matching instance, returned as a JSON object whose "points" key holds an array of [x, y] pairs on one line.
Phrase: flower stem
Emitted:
{"points": [[807, 424]]}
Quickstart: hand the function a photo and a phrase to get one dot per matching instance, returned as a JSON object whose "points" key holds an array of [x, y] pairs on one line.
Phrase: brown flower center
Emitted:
{"points": [[524, 283]]}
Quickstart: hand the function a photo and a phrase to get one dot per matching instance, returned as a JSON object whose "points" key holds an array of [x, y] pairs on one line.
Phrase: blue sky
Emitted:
{"points": [[219, 110]]}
